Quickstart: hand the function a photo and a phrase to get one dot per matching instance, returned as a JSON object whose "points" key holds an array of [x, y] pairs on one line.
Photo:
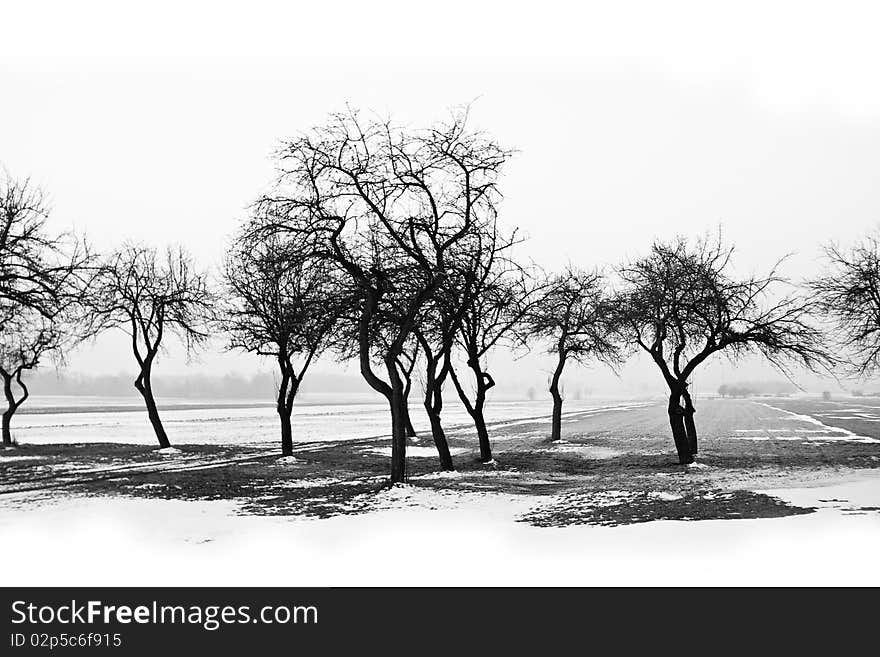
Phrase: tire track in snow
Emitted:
{"points": [[848, 435]]}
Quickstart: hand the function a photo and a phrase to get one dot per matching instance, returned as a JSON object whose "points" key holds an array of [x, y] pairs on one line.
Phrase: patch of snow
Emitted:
{"points": [[287, 460], [416, 452], [309, 483], [498, 473], [609, 498], [467, 474], [7, 459], [168, 451], [801, 438], [406, 495], [823, 438], [593, 451], [442, 474], [522, 434], [844, 434], [662, 495], [318, 482], [169, 539]]}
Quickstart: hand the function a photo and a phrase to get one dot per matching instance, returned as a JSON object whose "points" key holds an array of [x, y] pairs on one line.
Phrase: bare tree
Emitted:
{"points": [[26, 339], [848, 295], [43, 277], [283, 304], [39, 271], [501, 295], [574, 315], [681, 304], [148, 295], [386, 205]]}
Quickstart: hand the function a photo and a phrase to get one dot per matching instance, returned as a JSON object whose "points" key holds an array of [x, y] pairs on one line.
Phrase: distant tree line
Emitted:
{"points": [[750, 388], [736, 390], [197, 386], [383, 245]]}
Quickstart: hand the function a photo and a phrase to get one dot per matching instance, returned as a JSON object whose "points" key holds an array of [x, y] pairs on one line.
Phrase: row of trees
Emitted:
{"points": [[751, 388], [382, 245], [736, 390]]}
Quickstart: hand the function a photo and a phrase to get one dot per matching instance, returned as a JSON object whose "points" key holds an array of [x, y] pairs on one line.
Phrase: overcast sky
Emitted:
{"points": [[633, 121]]}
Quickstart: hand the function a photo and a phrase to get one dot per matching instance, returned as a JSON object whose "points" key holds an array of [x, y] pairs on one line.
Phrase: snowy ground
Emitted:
{"points": [[797, 502], [161, 542]]}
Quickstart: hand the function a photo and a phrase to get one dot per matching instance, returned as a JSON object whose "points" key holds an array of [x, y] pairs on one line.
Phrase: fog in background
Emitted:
{"points": [[696, 119]]}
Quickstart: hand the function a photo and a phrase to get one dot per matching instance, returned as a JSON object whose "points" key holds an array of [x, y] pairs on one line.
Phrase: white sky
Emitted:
{"points": [[632, 120]]}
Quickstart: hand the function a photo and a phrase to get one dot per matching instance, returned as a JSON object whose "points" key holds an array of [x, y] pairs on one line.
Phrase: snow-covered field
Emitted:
{"points": [[161, 542], [587, 510], [255, 425]]}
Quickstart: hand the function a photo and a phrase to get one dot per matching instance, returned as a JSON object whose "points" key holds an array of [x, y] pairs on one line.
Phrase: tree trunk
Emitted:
{"points": [[440, 441], [433, 406], [484, 382], [483, 435], [410, 432], [397, 403], [7, 433], [398, 441], [143, 385], [392, 391], [10, 408], [689, 425], [286, 432], [407, 422], [679, 433], [556, 425], [433, 403], [284, 404], [12, 404]]}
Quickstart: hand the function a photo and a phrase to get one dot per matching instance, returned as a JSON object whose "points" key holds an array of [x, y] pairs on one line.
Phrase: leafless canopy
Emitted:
{"points": [[575, 316], [148, 295], [39, 271], [26, 339], [499, 294], [848, 295], [280, 302], [386, 205], [681, 304], [43, 278]]}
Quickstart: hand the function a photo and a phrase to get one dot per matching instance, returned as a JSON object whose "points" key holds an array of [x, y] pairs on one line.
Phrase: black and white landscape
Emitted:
{"points": [[590, 297]]}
